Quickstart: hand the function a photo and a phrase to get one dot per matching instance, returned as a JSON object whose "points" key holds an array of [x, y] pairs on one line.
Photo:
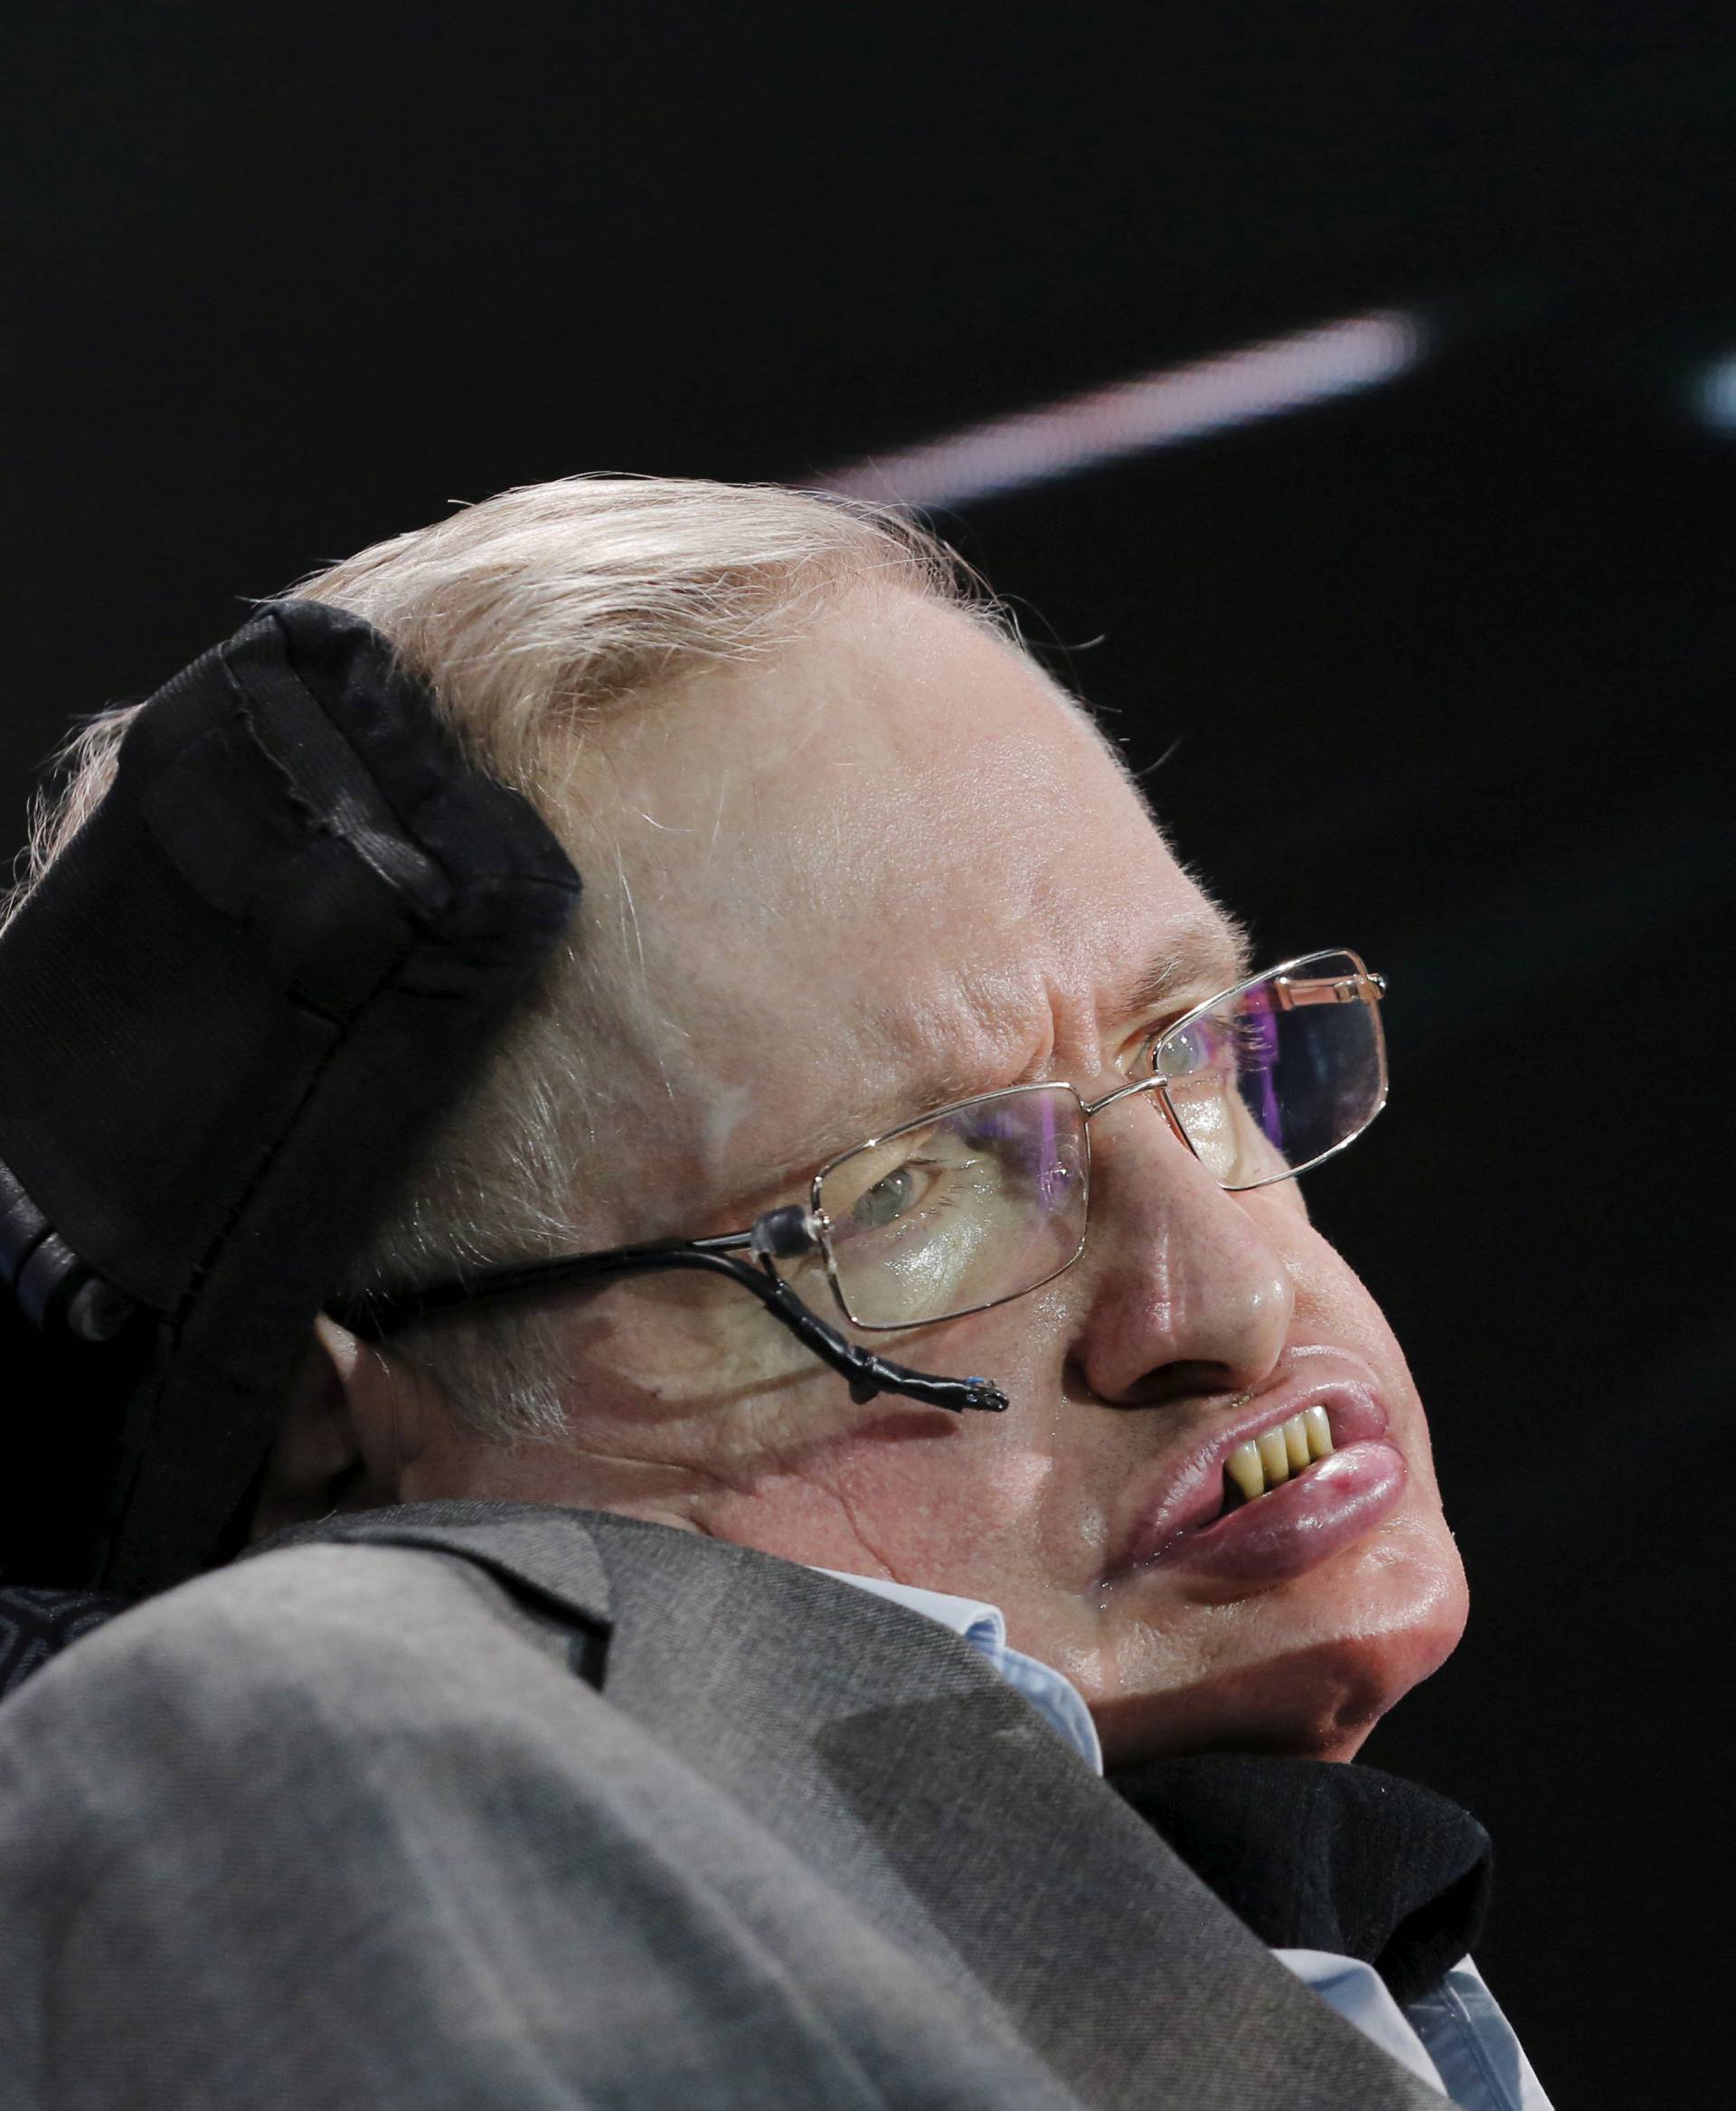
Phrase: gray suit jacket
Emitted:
{"points": [[486, 1805]]}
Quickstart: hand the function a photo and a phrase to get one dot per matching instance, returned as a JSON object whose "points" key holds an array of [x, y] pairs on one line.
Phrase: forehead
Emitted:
{"points": [[893, 860]]}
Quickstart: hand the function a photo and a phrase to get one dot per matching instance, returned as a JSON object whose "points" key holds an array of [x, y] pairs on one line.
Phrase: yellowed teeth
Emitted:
{"points": [[1267, 1461]]}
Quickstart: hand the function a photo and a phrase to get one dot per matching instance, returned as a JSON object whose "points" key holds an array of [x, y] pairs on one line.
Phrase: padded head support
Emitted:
{"points": [[262, 971]]}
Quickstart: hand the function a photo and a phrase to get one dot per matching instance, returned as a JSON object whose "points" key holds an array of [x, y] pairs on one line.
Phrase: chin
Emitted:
{"points": [[1310, 1669]]}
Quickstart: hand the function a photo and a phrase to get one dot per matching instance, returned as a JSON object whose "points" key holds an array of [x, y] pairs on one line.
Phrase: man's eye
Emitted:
{"points": [[1198, 1047], [886, 1200]]}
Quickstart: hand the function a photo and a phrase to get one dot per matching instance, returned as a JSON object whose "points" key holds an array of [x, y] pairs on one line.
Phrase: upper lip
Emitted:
{"points": [[1190, 1494]]}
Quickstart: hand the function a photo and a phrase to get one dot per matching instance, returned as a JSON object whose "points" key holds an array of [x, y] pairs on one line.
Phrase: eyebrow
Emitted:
{"points": [[1208, 954], [845, 1129]]}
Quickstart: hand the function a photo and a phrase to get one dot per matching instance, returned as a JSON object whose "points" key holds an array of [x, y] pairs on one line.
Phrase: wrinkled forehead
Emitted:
{"points": [[895, 859]]}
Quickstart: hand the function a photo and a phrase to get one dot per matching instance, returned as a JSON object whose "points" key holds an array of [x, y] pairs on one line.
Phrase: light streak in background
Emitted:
{"points": [[1714, 395], [1139, 415]]}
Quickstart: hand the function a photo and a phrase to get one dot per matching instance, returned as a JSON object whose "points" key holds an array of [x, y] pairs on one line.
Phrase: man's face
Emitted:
{"points": [[893, 869]]}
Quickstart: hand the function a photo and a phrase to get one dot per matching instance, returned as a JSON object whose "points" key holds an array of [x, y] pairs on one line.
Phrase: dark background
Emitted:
{"points": [[1446, 669]]}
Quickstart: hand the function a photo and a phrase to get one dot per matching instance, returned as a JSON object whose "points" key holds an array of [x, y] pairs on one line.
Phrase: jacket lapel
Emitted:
{"points": [[881, 1750]]}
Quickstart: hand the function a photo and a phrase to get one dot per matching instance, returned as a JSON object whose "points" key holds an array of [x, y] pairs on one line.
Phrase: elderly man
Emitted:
{"points": [[626, 1708]]}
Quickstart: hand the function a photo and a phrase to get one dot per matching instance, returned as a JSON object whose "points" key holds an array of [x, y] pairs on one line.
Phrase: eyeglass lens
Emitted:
{"points": [[976, 1205], [988, 1200], [1280, 1074]]}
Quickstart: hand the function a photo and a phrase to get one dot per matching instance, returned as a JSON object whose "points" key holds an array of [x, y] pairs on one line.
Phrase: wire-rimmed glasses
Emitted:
{"points": [[987, 1199]]}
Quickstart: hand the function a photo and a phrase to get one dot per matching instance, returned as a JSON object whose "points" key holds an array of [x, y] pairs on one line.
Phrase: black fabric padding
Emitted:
{"points": [[263, 971], [1319, 1855]]}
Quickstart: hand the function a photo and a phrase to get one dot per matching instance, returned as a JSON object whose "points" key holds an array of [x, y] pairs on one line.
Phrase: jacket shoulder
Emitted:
{"points": [[295, 1648]]}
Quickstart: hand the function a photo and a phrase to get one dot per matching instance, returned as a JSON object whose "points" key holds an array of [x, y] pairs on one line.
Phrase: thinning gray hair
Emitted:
{"points": [[535, 616]]}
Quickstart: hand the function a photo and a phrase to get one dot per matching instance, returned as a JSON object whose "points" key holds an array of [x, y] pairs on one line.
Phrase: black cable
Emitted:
{"points": [[375, 1316]]}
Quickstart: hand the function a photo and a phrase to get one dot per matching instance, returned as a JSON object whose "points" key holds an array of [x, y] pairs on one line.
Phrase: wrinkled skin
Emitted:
{"points": [[893, 868]]}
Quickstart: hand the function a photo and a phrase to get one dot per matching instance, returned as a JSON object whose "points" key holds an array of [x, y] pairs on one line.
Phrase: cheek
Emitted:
{"points": [[1330, 1297], [1333, 1305], [692, 1373], [950, 1505]]}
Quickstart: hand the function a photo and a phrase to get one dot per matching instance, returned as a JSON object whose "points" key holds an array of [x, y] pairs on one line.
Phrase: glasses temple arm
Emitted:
{"points": [[867, 1374]]}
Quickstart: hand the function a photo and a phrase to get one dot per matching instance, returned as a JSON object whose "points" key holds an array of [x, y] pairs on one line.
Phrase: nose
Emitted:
{"points": [[1186, 1288]]}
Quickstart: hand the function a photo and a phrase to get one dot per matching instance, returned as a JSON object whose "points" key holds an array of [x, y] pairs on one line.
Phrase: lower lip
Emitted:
{"points": [[1295, 1528]]}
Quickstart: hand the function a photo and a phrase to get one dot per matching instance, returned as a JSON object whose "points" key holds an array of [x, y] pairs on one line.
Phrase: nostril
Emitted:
{"points": [[1171, 1384]]}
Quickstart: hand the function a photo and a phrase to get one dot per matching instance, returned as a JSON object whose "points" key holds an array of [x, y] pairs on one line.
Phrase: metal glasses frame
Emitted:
{"points": [[795, 1231], [773, 1238]]}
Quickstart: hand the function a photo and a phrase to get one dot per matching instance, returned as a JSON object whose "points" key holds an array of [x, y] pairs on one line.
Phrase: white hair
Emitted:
{"points": [[534, 616]]}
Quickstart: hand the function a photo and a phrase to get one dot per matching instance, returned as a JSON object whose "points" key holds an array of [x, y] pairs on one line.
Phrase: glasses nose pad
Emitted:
{"points": [[1158, 1098]]}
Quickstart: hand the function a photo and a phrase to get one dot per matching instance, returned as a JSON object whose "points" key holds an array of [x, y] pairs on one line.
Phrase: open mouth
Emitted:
{"points": [[1276, 1455], [1331, 1465], [1332, 1488]]}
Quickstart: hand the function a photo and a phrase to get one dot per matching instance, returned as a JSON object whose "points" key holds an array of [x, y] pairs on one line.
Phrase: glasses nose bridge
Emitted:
{"points": [[1090, 1108]]}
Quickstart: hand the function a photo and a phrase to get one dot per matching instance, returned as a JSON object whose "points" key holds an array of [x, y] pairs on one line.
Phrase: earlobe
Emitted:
{"points": [[323, 1459]]}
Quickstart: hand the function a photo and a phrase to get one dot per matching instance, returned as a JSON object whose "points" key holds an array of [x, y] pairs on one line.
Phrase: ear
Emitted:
{"points": [[342, 1442]]}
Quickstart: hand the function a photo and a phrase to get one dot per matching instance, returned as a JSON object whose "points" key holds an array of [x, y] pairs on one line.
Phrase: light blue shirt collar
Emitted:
{"points": [[1456, 2039], [1050, 1692]]}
